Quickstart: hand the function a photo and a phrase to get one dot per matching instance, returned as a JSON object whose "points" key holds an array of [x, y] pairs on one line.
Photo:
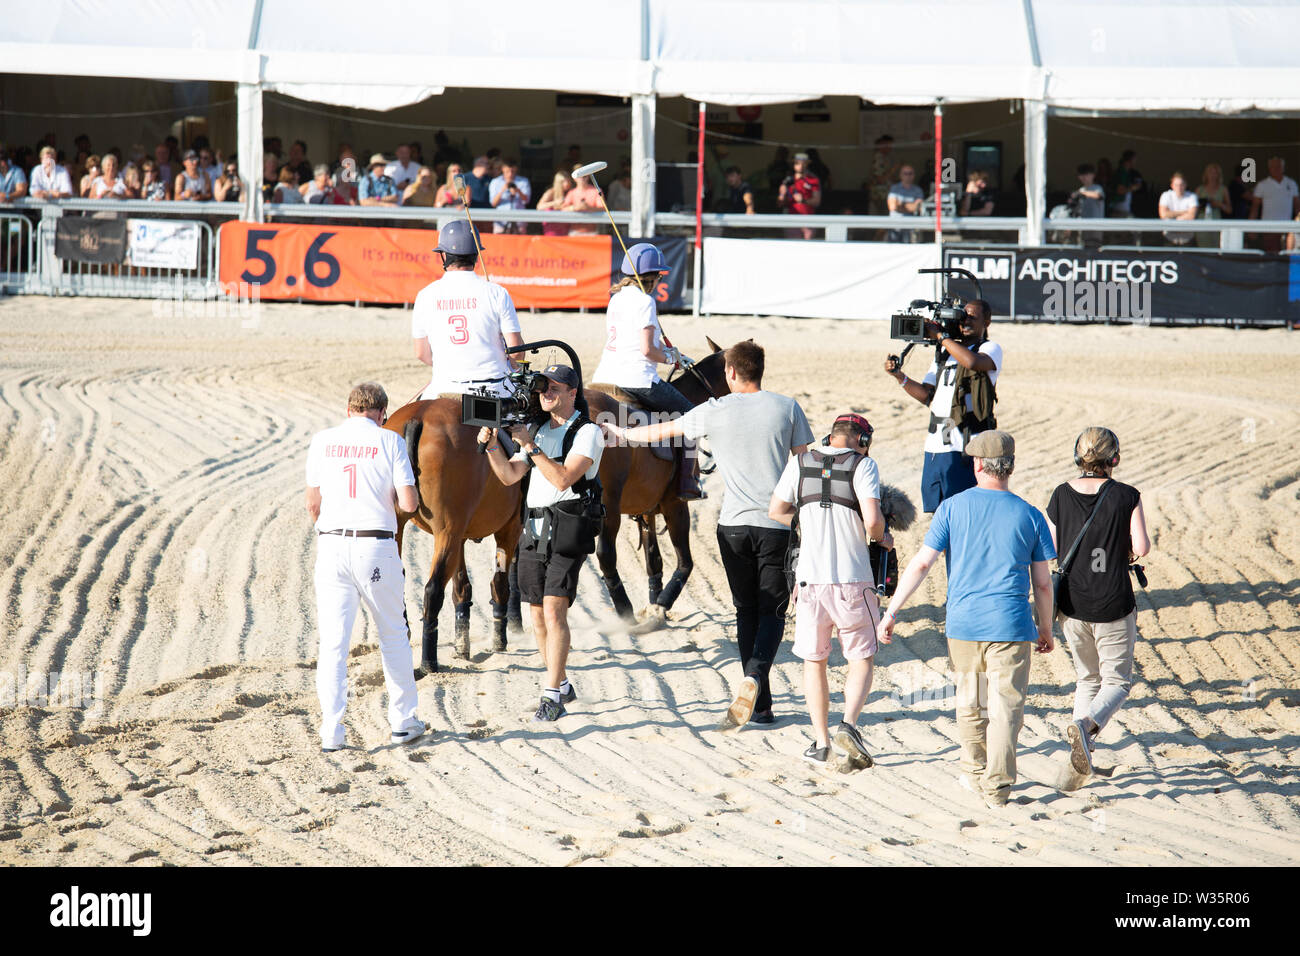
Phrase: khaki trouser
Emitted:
{"points": [[1103, 661], [992, 679]]}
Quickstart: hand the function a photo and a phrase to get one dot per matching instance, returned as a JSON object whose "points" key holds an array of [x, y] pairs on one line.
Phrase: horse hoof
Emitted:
{"points": [[425, 669], [655, 617], [499, 644], [462, 653], [515, 625]]}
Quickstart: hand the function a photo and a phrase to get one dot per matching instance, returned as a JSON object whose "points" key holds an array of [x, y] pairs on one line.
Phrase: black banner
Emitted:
{"points": [[670, 292], [82, 239], [1137, 286]]}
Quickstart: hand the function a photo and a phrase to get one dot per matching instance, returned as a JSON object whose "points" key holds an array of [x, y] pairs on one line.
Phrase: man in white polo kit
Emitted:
{"points": [[356, 472], [460, 320]]}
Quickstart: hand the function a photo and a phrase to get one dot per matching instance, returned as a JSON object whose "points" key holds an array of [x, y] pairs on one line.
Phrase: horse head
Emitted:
{"points": [[705, 379]]}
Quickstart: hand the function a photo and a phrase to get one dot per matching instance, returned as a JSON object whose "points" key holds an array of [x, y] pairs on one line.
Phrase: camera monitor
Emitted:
{"points": [[481, 411]]}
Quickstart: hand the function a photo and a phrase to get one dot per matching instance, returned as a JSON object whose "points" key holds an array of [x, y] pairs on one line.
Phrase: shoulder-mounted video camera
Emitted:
{"points": [[947, 313], [484, 408]]}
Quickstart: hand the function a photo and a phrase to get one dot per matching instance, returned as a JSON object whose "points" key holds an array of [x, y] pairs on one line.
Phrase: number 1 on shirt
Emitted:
{"points": [[352, 479]]}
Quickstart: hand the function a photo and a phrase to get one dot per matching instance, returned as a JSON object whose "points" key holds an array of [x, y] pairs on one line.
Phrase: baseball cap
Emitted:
{"points": [[801, 157], [190, 154], [563, 374], [377, 159], [991, 444]]}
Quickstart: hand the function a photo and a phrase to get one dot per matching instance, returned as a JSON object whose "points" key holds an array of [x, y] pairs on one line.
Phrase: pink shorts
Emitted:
{"points": [[852, 608]]}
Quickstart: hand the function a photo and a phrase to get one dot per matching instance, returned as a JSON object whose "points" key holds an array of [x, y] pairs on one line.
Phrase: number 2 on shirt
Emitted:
{"points": [[460, 329], [352, 479], [609, 343]]}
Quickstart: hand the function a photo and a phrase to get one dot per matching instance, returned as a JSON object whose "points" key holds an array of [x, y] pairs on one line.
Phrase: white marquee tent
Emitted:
{"points": [[1109, 56]]}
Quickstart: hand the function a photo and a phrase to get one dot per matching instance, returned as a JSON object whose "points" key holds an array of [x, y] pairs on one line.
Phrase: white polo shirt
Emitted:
{"points": [[1276, 198], [465, 319], [622, 362], [358, 468]]}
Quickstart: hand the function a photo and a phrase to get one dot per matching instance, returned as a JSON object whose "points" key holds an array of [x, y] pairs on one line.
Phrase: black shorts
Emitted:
{"points": [[540, 576]]}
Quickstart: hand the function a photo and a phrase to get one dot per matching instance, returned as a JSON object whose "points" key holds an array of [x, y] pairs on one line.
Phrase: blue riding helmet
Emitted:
{"points": [[458, 238], [642, 258]]}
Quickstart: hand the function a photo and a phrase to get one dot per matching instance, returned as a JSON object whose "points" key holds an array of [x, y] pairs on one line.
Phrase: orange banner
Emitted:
{"points": [[360, 263]]}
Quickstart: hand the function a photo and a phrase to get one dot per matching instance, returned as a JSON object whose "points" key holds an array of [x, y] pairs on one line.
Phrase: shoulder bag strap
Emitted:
{"points": [[1069, 558]]}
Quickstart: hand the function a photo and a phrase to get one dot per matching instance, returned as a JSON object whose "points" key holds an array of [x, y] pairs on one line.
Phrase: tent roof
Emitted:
{"points": [[1103, 55]]}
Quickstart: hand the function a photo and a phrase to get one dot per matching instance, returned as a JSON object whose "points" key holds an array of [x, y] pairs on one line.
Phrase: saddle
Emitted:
{"points": [[660, 450]]}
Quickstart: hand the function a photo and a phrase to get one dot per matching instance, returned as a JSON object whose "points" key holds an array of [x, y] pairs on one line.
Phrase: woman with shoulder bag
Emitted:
{"points": [[1101, 524]]}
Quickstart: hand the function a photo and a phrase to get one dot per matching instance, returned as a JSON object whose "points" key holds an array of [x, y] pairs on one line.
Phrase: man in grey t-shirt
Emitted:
{"points": [[752, 434]]}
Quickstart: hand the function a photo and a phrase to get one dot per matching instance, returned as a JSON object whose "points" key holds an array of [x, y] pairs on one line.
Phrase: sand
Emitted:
{"points": [[154, 539]]}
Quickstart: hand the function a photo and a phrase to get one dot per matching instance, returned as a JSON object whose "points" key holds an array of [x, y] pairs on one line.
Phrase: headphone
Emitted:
{"points": [[865, 430], [1114, 459]]}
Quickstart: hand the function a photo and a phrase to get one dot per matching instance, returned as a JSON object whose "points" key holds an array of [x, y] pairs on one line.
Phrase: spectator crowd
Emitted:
{"points": [[797, 185]]}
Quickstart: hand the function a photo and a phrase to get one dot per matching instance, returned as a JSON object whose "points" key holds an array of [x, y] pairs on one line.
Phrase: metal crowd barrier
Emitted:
{"points": [[47, 274], [17, 253]]}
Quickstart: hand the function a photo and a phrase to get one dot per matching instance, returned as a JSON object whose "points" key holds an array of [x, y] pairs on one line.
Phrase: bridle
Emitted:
{"points": [[699, 377]]}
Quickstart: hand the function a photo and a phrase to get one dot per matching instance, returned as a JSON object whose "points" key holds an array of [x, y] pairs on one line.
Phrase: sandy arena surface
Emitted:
{"points": [[154, 535]]}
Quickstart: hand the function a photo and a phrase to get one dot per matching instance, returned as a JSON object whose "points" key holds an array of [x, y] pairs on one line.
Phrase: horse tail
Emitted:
{"points": [[414, 428]]}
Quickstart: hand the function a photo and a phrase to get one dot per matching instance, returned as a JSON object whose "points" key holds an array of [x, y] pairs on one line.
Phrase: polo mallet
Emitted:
{"points": [[590, 170], [461, 191]]}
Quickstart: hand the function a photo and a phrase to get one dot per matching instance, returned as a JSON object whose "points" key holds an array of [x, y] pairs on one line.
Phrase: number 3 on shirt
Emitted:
{"points": [[609, 343], [460, 329]]}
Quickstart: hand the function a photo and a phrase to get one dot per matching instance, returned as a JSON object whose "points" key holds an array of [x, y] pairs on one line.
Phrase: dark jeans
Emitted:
{"points": [[754, 559], [662, 397]]}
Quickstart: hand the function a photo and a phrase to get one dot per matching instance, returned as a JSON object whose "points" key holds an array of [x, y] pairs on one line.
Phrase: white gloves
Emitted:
{"points": [[674, 357]]}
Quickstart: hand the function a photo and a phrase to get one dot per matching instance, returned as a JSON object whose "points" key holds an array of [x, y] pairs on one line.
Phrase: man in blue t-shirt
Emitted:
{"points": [[996, 543]]}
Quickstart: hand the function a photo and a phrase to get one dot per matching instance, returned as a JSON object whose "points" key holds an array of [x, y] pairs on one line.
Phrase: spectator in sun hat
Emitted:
{"points": [[377, 187]]}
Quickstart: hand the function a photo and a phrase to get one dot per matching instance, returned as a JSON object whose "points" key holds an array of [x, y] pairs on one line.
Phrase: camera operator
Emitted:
{"points": [[548, 564], [459, 321], [954, 392]]}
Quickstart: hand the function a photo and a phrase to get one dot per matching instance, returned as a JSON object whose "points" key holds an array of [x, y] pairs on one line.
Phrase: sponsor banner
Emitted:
{"points": [[1130, 286], [356, 263], [670, 292], [83, 239], [835, 280], [163, 243]]}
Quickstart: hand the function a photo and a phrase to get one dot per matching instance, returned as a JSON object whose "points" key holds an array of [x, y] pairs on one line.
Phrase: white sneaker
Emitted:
{"points": [[410, 733]]}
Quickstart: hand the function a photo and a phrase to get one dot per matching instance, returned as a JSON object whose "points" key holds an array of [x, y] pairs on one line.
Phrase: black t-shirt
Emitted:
{"points": [[734, 199], [1098, 588]]}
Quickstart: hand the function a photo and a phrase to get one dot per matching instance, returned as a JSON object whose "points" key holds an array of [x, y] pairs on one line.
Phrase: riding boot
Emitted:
{"points": [[688, 476]]}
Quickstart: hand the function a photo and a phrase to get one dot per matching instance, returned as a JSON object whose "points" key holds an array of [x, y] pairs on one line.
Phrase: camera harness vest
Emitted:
{"points": [[983, 396], [587, 489], [828, 480]]}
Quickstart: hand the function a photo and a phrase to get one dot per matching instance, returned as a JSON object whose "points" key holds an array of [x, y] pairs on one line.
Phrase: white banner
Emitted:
{"points": [[163, 243], [815, 279]]}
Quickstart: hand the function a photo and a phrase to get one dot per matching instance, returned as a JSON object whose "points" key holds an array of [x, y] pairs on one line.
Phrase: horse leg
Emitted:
{"points": [[462, 594], [506, 540], [514, 612], [678, 518], [607, 556], [444, 566], [654, 562]]}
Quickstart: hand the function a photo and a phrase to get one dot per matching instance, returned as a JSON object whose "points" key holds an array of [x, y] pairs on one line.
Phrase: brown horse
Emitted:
{"points": [[636, 482], [460, 498]]}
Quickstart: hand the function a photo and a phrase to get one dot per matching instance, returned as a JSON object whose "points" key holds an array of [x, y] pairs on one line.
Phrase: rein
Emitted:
{"points": [[699, 377]]}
